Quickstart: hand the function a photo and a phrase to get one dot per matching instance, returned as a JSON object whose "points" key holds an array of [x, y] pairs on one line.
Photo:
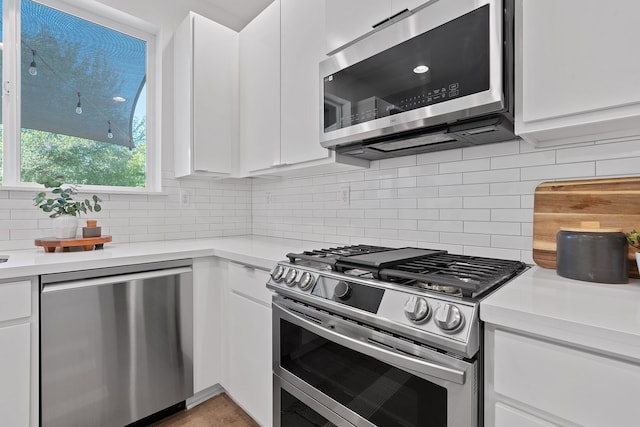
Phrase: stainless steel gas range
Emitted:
{"points": [[375, 336]]}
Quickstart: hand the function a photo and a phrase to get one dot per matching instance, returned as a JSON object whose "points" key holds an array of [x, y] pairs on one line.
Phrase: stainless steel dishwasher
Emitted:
{"points": [[116, 343]]}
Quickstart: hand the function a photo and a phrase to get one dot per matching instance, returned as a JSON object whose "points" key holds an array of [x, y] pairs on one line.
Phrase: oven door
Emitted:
{"points": [[367, 377]]}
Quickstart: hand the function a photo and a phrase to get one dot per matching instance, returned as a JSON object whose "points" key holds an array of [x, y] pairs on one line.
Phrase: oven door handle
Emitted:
{"points": [[415, 366]]}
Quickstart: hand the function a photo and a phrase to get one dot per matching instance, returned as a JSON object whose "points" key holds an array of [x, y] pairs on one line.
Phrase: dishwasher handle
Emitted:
{"points": [[110, 280]]}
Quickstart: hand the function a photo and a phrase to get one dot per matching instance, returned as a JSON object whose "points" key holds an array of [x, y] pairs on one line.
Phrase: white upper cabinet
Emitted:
{"points": [[348, 20], [578, 70], [280, 52], [205, 98], [302, 47], [260, 91]]}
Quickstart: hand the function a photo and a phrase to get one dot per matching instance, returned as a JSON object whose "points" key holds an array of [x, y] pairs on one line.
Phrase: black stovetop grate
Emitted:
{"points": [[473, 275], [414, 266]]}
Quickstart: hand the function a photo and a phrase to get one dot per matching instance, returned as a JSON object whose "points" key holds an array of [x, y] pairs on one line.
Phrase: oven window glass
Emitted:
{"points": [[447, 62], [378, 392], [294, 413]]}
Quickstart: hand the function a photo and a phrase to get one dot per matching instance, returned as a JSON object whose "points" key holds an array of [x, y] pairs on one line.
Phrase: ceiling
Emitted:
{"points": [[244, 11]]}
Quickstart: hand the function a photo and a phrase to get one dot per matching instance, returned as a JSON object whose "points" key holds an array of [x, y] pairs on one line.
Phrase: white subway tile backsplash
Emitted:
{"points": [[466, 239], [492, 176], [419, 214], [477, 200], [489, 202], [569, 170], [603, 151], [524, 160], [436, 180], [627, 166], [465, 190], [452, 226], [487, 227], [465, 166], [421, 170]]}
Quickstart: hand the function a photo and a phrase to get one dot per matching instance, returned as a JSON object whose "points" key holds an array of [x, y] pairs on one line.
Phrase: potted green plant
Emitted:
{"points": [[62, 207], [633, 238]]}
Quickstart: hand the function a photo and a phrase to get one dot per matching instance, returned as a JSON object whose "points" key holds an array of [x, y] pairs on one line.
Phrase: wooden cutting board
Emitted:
{"points": [[613, 202]]}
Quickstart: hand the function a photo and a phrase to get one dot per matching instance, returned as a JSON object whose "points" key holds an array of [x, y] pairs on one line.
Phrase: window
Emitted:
{"points": [[84, 83]]}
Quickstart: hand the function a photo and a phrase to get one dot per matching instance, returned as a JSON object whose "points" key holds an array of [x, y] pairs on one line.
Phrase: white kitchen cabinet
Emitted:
{"points": [[260, 91], [348, 20], [548, 383], [248, 366], [19, 353], [280, 51], [208, 291], [577, 70], [302, 50], [506, 416], [205, 98]]}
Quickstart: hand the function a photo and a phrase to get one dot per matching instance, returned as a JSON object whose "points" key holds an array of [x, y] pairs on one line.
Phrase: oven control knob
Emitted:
{"points": [[448, 317], [342, 290], [417, 309], [290, 278], [277, 273], [306, 281]]}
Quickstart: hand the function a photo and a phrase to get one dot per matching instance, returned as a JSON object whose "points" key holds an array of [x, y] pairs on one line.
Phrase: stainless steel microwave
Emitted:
{"points": [[435, 78]]}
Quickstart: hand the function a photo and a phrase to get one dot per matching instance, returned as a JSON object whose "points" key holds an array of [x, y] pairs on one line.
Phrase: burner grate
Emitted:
{"points": [[472, 275]]}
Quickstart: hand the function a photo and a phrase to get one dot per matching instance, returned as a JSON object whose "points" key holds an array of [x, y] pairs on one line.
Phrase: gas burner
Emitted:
{"points": [[446, 289]]}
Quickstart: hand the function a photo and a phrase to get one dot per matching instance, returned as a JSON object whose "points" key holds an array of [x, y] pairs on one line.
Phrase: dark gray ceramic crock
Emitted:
{"points": [[592, 256]]}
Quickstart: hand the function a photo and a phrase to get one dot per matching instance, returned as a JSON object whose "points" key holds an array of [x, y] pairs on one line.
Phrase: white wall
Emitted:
{"points": [[477, 201]]}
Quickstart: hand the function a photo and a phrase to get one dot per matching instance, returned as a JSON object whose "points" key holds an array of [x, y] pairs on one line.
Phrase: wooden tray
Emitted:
{"points": [[613, 202], [51, 243]]}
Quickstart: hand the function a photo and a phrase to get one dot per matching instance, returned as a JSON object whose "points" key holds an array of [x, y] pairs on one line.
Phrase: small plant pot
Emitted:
{"points": [[638, 260], [65, 227]]}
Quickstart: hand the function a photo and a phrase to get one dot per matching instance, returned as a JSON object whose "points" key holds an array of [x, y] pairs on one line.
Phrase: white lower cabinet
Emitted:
{"points": [[19, 353], [247, 374], [542, 383], [15, 374], [506, 416], [208, 289]]}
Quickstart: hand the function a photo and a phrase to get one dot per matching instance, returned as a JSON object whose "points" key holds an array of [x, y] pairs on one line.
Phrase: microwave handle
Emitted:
{"points": [[415, 366]]}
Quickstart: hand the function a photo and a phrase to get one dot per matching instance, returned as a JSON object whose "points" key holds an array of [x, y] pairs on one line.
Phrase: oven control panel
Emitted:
{"points": [[425, 313]]}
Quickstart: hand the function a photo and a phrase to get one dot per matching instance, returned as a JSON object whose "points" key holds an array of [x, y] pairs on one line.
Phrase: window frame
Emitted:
{"points": [[11, 84]]}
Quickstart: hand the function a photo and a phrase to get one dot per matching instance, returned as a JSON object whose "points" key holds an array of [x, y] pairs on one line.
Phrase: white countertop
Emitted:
{"points": [[261, 252], [602, 317], [597, 316]]}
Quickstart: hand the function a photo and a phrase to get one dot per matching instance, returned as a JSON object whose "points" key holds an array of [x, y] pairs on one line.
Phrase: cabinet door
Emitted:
{"points": [[205, 98], [260, 90], [348, 20], [249, 357], [507, 416], [302, 50], [208, 290], [578, 71], [215, 96], [15, 374], [582, 387]]}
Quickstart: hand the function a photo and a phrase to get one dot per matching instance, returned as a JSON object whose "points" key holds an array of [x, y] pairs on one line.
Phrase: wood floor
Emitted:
{"points": [[218, 411]]}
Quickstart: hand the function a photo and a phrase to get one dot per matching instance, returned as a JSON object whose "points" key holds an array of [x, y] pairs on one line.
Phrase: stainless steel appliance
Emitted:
{"points": [[116, 343], [375, 336], [435, 78]]}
